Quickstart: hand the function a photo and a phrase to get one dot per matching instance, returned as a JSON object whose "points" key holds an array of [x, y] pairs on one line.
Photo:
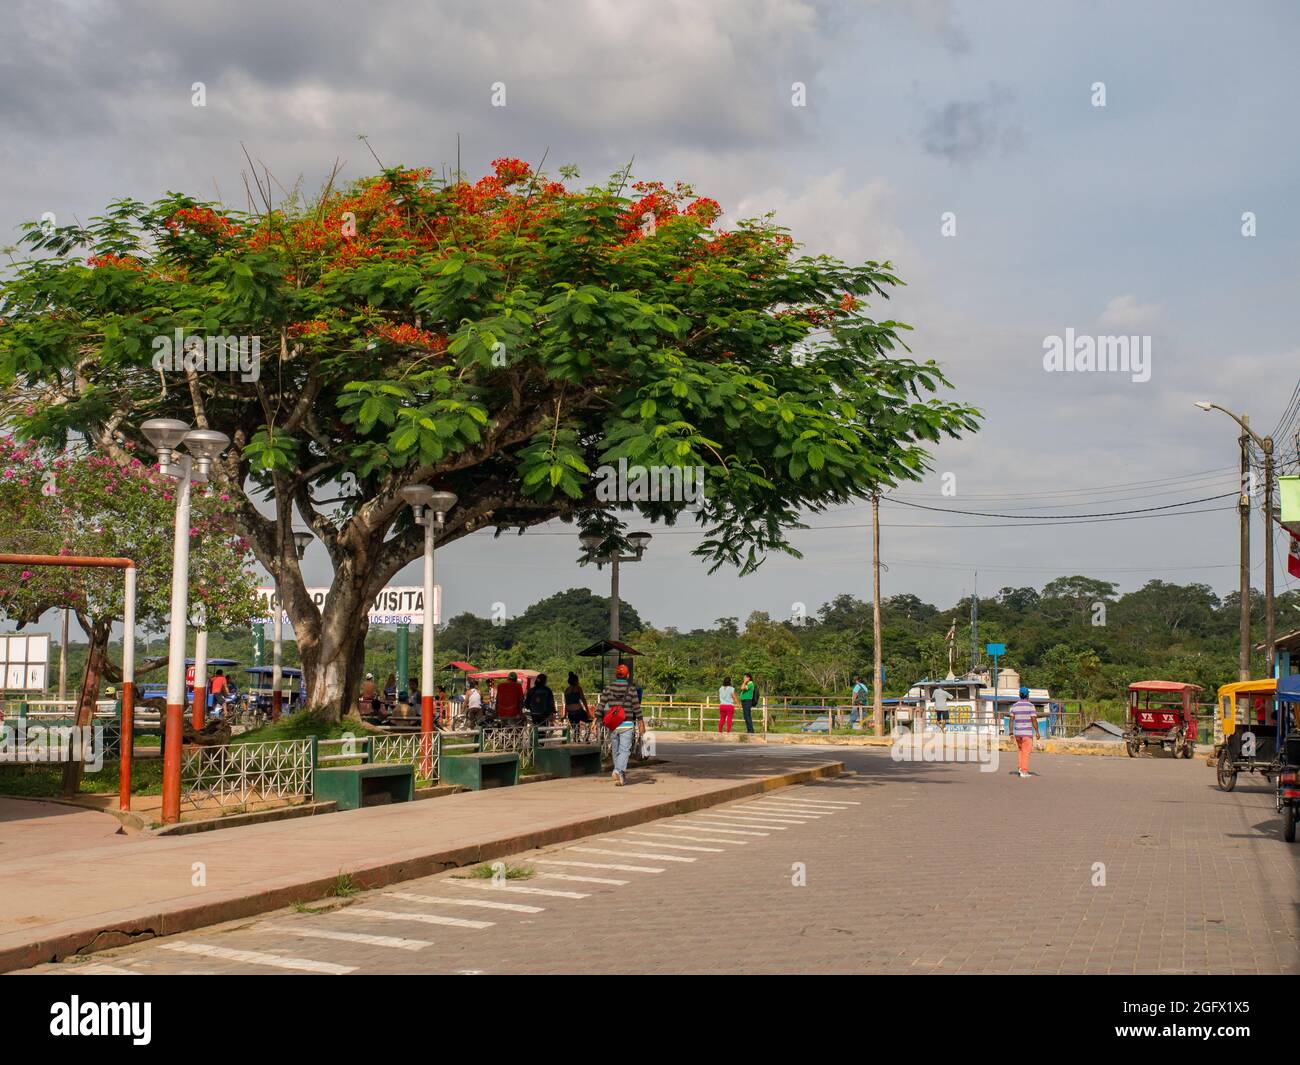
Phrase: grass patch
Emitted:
{"points": [[301, 725], [41, 781], [302, 907], [344, 887], [489, 870]]}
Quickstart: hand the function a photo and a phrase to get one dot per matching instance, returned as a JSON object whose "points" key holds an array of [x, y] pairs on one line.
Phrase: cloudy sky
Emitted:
{"points": [[1125, 218]]}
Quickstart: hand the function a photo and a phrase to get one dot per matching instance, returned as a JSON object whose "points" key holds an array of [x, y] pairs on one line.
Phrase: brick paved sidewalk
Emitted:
{"points": [[891, 868], [83, 897]]}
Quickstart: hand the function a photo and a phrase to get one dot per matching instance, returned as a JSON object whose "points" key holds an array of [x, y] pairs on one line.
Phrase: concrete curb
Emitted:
{"points": [[1095, 748], [120, 927], [254, 817], [131, 822]]}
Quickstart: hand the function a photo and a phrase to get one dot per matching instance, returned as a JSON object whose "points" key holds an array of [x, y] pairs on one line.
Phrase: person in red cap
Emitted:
{"points": [[620, 709]]}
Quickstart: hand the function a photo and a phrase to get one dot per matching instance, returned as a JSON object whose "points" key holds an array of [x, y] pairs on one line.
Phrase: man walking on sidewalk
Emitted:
{"points": [[620, 709], [1024, 717]]}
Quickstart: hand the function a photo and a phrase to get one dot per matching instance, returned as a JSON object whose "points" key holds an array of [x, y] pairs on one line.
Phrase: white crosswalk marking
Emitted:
{"points": [[718, 820], [585, 879], [99, 968], [420, 918], [786, 811], [600, 865], [695, 839], [395, 942], [631, 854], [817, 802], [482, 904], [516, 888], [764, 820], [712, 826], [257, 957], [639, 841]]}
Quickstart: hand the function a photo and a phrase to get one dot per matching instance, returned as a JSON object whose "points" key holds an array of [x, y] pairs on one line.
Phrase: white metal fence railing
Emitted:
{"points": [[515, 738], [410, 749], [237, 774]]}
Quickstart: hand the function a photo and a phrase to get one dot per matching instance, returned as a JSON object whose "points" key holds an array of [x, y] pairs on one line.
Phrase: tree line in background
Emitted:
{"points": [[1077, 636]]}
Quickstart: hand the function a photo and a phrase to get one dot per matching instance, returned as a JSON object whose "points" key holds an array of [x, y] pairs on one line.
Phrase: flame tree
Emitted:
{"points": [[500, 339]]}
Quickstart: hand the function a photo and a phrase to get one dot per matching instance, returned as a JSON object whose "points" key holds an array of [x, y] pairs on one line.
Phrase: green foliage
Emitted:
{"points": [[78, 502]]}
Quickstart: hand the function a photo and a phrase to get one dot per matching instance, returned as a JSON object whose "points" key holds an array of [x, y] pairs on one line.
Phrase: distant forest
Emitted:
{"points": [[1076, 636]]}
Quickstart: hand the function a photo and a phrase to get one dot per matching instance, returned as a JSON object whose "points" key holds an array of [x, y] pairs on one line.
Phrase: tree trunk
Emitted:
{"points": [[337, 659], [95, 660]]}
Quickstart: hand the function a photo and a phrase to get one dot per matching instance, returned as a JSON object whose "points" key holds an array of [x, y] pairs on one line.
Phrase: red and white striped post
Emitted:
{"points": [[126, 743], [199, 713]]}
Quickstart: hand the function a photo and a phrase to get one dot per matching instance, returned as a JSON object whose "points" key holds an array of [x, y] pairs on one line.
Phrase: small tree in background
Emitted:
{"points": [[82, 503]]}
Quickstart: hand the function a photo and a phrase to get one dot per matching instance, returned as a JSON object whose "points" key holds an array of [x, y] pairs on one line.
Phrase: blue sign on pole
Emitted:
{"points": [[995, 650]]}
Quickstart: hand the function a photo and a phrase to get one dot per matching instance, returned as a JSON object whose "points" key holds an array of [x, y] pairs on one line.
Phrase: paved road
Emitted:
{"points": [[1093, 865]]}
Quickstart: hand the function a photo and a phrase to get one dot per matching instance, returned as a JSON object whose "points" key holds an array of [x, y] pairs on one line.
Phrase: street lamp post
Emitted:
{"points": [[1266, 446], [204, 445], [591, 544], [301, 541], [429, 508]]}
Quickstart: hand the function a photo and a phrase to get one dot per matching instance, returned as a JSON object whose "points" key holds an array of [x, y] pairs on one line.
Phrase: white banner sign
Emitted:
{"points": [[393, 606], [24, 662]]}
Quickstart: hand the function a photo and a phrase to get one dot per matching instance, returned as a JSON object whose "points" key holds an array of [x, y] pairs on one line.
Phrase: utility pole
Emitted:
{"points": [[1243, 511], [1243, 507], [63, 657], [1269, 650], [877, 685]]}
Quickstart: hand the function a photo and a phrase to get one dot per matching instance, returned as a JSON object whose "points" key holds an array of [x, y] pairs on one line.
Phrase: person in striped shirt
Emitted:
{"points": [[1024, 717]]}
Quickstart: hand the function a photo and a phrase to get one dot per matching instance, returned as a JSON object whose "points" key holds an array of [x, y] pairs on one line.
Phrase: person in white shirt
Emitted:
{"points": [[473, 703], [940, 698], [726, 704]]}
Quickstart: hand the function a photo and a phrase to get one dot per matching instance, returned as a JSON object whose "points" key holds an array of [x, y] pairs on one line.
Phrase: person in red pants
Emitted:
{"points": [[1024, 716], [726, 704]]}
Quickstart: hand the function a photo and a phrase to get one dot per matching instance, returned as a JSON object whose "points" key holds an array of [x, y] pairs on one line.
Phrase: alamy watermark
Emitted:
{"points": [[209, 354], [1073, 353], [650, 484], [978, 745], [21, 743]]}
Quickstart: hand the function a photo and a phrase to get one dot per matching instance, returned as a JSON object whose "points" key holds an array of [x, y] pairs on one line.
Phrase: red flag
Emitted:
{"points": [[1293, 558]]}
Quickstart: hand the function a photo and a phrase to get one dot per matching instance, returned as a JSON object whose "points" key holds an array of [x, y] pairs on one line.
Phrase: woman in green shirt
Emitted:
{"points": [[747, 701]]}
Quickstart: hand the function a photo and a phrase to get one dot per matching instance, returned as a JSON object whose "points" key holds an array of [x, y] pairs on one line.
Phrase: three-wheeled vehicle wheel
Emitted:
{"points": [[1132, 744], [1227, 775], [1189, 746], [1288, 823]]}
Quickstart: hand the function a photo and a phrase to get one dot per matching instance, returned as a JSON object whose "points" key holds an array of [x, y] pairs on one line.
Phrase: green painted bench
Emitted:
{"points": [[553, 753], [365, 783], [354, 786], [463, 761]]}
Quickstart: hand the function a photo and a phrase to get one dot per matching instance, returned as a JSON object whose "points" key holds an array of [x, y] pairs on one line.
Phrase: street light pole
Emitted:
{"points": [[430, 510], [1266, 446], [166, 434], [877, 675], [613, 597], [591, 546]]}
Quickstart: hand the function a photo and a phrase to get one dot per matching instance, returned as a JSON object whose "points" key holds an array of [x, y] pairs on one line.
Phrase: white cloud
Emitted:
{"points": [[1125, 313]]}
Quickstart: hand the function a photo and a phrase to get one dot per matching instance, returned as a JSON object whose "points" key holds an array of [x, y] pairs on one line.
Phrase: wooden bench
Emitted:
{"points": [[364, 783], [463, 761], [553, 753]]}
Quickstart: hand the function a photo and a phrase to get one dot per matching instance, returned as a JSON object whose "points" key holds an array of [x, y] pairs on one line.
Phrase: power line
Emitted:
{"points": [[1047, 517], [1202, 477]]}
